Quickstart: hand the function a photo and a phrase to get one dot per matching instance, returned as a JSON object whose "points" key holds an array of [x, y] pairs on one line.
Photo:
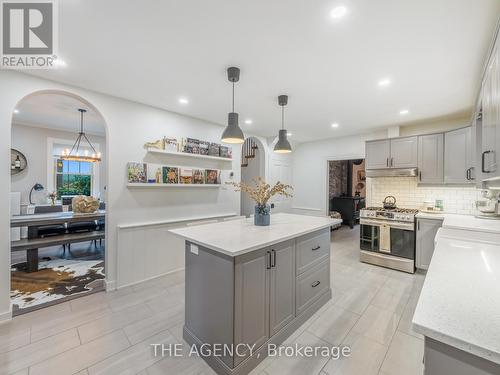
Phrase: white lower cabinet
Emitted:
{"points": [[426, 232]]}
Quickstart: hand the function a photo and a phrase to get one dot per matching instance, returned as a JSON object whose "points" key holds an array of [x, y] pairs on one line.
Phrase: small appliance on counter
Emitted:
{"points": [[387, 236], [489, 206]]}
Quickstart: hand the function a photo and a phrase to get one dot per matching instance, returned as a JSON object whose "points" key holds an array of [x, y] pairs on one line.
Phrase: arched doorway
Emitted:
{"points": [[253, 165], [61, 260]]}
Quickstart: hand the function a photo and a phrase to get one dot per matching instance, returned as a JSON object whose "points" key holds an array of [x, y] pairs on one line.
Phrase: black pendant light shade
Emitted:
{"points": [[233, 133], [282, 146]]}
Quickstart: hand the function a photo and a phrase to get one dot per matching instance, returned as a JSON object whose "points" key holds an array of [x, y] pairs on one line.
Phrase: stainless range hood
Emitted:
{"points": [[392, 172]]}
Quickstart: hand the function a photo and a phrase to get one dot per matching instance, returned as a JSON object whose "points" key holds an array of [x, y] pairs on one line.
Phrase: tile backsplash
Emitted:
{"points": [[459, 200]]}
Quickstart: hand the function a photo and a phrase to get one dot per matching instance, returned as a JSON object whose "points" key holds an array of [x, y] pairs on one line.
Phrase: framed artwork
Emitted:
{"points": [[170, 175], [212, 176], [137, 172], [186, 176]]}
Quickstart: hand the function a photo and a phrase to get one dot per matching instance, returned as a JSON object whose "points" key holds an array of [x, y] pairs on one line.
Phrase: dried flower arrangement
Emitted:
{"points": [[262, 191]]}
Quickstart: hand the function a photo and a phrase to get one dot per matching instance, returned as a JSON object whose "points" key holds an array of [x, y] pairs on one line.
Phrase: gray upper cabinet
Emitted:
{"points": [[426, 232], [392, 153], [458, 157], [404, 152], [282, 283], [378, 154], [430, 159], [251, 304], [487, 123]]}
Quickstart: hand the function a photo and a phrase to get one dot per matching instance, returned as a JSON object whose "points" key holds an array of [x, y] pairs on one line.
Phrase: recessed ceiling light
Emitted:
{"points": [[289, 134], [183, 101], [16, 110], [248, 122], [335, 125], [404, 112], [338, 12], [384, 82]]}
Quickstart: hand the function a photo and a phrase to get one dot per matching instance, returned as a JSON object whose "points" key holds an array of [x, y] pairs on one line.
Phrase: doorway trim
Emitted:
{"points": [[326, 181]]}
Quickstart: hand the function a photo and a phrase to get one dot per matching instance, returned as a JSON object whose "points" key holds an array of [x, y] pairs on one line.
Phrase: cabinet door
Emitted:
{"points": [[490, 123], [430, 159], [404, 152], [426, 232], [458, 158], [251, 299], [378, 154], [282, 283]]}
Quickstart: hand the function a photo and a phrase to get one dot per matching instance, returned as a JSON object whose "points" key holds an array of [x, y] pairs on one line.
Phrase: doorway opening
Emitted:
{"points": [[57, 243], [346, 189], [252, 167]]}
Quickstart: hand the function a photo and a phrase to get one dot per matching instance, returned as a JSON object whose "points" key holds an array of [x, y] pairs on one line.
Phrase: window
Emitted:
{"points": [[73, 177]]}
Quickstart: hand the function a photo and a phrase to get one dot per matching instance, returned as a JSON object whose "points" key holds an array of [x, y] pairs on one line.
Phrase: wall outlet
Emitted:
{"points": [[193, 249], [272, 205]]}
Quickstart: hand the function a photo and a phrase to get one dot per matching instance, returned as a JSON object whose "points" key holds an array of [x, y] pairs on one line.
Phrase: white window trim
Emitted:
{"points": [[51, 171]]}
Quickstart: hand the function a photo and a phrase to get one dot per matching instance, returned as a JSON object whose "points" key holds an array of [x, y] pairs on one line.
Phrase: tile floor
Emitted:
{"points": [[111, 333]]}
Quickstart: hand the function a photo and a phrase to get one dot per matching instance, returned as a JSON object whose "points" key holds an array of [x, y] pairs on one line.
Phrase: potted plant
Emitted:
{"points": [[261, 193]]}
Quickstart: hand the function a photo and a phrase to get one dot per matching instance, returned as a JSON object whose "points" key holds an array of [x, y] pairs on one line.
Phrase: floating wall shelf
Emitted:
{"points": [[188, 155], [155, 185]]}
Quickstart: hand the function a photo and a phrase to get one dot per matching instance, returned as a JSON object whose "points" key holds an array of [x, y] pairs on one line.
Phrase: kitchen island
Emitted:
{"points": [[458, 311], [249, 286]]}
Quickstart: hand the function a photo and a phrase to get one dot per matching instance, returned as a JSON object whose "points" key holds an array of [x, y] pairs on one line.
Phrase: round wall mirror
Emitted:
{"points": [[18, 162]]}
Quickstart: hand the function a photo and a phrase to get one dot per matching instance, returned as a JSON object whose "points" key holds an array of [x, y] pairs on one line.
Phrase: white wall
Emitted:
{"points": [[32, 142], [129, 125], [310, 169]]}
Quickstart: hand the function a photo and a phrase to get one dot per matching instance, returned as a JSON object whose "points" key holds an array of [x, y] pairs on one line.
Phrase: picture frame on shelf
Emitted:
{"points": [[186, 176], [170, 175], [137, 172], [212, 176], [154, 173], [214, 149], [198, 176]]}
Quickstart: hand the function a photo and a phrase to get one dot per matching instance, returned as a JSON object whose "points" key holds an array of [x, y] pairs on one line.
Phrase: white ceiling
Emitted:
{"points": [[157, 51], [59, 112]]}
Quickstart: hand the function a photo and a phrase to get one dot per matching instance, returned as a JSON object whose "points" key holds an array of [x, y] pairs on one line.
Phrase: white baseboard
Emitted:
{"points": [[6, 316], [148, 279]]}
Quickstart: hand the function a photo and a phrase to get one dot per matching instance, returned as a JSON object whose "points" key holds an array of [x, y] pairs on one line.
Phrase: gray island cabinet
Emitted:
{"points": [[248, 286]]}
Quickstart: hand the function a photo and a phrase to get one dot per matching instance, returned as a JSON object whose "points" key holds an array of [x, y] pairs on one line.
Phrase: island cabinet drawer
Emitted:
{"points": [[312, 249], [311, 284]]}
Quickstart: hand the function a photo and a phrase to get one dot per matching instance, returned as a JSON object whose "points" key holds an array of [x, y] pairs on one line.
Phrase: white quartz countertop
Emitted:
{"points": [[237, 237], [467, 222], [460, 301]]}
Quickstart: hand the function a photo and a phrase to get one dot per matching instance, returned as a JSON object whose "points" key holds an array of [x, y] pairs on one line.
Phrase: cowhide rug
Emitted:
{"points": [[56, 278]]}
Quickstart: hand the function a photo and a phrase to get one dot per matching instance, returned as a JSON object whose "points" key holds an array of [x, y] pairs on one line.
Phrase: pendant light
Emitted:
{"points": [[74, 153], [282, 146], [233, 133]]}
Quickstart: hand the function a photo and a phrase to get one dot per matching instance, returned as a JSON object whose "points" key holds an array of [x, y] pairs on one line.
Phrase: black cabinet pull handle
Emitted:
{"points": [[316, 248], [315, 284], [273, 262], [483, 161], [268, 260], [387, 162]]}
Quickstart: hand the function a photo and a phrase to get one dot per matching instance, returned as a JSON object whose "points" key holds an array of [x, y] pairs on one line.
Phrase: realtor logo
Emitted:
{"points": [[28, 34]]}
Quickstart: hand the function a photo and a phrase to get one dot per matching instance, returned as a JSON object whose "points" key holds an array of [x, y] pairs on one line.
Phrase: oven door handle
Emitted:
{"points": [[392, 224]]}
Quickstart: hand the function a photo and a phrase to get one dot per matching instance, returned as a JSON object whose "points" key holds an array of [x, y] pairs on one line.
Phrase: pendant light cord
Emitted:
{"points": [[233, 96], [282, 117]]}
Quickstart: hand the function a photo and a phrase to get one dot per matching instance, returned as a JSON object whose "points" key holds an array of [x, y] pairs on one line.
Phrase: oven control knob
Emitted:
{"points": [[408, 218]]}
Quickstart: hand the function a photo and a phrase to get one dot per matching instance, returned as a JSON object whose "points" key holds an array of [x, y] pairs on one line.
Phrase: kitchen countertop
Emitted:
{"points": [[431, 215], [459, 304], [237, 237], [467, 222]]}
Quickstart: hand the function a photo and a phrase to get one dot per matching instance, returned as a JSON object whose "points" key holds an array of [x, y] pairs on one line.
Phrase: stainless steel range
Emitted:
{"points": [[387, 237]]}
